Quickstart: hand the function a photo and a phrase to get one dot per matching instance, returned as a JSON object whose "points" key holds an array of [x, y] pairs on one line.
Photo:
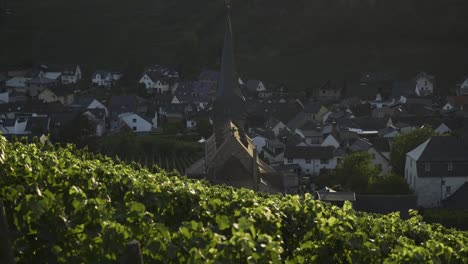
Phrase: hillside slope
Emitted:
{"points": [[68, 206], [300, 42]]}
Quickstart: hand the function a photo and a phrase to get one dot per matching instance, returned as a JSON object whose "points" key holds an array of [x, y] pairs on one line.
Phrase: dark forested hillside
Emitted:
{"points": [[300, 42]]}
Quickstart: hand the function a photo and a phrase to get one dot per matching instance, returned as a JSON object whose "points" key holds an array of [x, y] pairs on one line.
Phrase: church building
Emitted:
{"points": [[230, 155]]}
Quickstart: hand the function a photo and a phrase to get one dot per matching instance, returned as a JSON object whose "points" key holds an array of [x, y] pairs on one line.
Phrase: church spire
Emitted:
{"points": [[229, 104], [228, 82]]}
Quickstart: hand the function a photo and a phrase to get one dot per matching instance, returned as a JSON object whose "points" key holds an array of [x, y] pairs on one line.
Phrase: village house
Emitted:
{"points": [[135, 122], [463, 86], [159, 79], [71, 74], [311, 159], [63, 94], [381, 161], [436, 169], [273, 151], [105, 78], [196, 93], [425, 84], [255, 87], [315, 110], [97, 117], [331, 89], [88, 103]]}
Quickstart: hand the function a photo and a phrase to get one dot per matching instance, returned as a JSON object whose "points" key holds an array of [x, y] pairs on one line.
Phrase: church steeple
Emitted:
{"points": [[228, 83], [229, 104]]}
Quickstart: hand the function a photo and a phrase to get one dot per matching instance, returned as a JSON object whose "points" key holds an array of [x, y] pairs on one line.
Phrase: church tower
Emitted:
{"points": [[229, 103]]}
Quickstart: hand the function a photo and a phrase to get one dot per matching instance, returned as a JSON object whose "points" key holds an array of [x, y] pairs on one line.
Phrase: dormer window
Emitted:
{"points": [[427, 167]]}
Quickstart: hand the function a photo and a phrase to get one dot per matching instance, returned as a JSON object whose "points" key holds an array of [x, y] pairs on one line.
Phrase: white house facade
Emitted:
{"points": [[136, 122], [71, 74], [436, 169], [311, 159], [424, 84]]}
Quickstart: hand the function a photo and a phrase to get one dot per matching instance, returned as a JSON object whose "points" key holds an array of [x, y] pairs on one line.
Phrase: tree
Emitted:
{"points": [[355, 171], [80, 131], [405, 143], [203, 128], [390, 184]]}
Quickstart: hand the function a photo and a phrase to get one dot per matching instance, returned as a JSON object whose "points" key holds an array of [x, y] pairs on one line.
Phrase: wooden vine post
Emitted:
{"points": [[6, 254]]}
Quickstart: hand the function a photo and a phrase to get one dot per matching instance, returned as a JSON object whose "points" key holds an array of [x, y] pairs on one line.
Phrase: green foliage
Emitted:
{"points": [[355, 171], [404, 144], [204, 128], [65, 205], [388, 184], [453, 218]]}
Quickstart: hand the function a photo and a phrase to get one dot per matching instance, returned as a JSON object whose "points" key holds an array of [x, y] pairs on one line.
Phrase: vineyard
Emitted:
{"points": [[169, 163], [65, 205]]}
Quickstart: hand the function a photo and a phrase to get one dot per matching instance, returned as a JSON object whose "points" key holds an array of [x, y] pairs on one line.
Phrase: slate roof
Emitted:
{"points": [[443, 149], [83, 101], [380, 144], [123, 103], [209, 75], [385, 204], [312, 107], [193, 92], [37, 123], [309, 152], [438, 152], [360, 145], [252, 85], [459, 199], [364, 123], [41, 81], [62, 90], [300, 119]]}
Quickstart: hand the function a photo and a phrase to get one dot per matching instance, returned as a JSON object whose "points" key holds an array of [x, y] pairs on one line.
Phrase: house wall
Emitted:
{"points": [[424, 86], [442, 129], [430, 190], [314, 166], [96, 104], [330, 141], [47, 96], [392, 134], [136, 123], [379, 160], [67, 79]]}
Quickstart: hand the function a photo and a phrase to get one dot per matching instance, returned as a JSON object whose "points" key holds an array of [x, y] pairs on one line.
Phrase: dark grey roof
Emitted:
{"points": [[458, 200], [309, 152], [360, 145], [41, 81], [380, 144], [444, 149], [83, 101], [300, 119], [123, 103], [385, 204], [36, 123], [312, 107], [193, 92], [252, 85], [364, 123], [209, 75], [62, 90]]}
